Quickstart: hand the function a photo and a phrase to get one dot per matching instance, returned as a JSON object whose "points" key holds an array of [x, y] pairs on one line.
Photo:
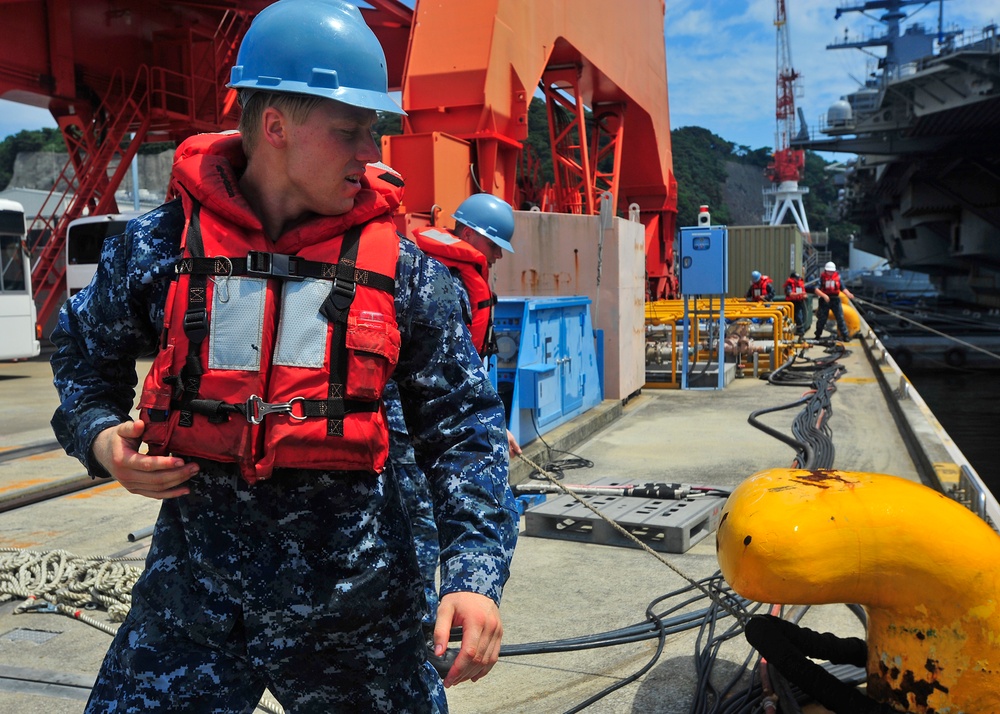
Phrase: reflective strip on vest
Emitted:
{"points": [[302, 330], [237, 324]]}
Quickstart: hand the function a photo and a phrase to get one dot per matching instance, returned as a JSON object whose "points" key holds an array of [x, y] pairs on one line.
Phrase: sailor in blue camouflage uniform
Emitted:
{"points": [[306, 582], [483, 232]]}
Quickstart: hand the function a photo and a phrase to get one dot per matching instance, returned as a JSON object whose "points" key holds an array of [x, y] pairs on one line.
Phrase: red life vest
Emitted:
{"points": [[474, 273], [831, 283], [274, 354], [795, 289], [758, 290]]}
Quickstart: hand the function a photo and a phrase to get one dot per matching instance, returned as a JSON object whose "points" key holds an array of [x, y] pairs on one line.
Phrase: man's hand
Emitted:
{"points": [[117, 450], [513, 447], [479, 618]]}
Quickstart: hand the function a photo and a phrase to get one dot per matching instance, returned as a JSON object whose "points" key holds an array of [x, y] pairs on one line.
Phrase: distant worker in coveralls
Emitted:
{"points": [[829, 291], [795, 293], [761, 289], [278, 299], [483, 231]]}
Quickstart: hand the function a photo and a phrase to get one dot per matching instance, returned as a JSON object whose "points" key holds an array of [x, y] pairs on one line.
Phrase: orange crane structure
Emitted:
{"points": [[120, 73]]}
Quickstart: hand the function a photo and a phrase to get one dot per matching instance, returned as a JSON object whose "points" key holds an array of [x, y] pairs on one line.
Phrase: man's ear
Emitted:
{"points": [[274, 127]]}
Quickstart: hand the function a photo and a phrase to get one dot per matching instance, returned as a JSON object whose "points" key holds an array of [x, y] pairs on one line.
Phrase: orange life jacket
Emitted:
{"points": [[795, 289], [474, 273], [831, 283], [758, 290], [274, 354]]}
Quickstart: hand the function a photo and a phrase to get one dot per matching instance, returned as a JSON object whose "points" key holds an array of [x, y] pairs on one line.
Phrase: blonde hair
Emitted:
{"points": [[253, 103]]}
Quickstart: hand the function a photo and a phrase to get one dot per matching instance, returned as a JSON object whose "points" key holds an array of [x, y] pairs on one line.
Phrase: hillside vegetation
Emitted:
{"points": [[706, 167]]}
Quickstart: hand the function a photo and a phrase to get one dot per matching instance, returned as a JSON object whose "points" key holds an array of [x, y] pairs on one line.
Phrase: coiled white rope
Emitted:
{"points": [[59, 581], [62, 579]]}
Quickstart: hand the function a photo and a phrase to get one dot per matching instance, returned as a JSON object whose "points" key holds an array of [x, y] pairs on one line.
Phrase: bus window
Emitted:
{"points": [[84, 240], [11, 265], [19, 336]]}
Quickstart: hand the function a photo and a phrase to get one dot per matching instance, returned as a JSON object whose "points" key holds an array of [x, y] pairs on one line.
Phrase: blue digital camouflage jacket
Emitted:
{"points": [[459, 433]]}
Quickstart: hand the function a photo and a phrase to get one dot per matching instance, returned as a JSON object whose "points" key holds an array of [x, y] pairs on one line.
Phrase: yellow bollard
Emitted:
{"points": [[926, 569], [851, 316]]}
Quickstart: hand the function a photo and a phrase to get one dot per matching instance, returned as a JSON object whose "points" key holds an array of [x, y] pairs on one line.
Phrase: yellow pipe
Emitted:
{"points": [[926, 569]]}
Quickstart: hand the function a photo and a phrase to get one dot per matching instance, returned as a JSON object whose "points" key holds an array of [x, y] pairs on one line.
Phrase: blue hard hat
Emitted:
{"points": [[322, 48], [755, 275], [488, 216]]}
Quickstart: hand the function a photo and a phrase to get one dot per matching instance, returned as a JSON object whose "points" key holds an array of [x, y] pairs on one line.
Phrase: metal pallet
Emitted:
{"points": [[668, 526]]}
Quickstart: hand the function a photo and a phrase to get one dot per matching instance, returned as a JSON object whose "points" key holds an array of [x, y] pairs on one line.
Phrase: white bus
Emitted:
{"points": [[20, 333], [84, 240]]}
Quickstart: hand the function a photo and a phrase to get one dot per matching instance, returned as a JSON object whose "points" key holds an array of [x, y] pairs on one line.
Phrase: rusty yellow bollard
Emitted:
{"points": [[926, 569]]}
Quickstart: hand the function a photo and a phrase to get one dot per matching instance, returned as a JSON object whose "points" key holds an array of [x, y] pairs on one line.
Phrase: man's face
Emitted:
{"points": [[484, 245], [327, 155]]}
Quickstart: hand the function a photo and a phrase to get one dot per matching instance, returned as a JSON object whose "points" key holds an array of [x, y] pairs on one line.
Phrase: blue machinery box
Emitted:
{"points": [[703, 260], [547, 369]]}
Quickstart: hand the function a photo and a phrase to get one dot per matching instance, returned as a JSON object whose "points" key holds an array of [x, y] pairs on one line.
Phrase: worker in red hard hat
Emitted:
{"points": [[795, 293]]}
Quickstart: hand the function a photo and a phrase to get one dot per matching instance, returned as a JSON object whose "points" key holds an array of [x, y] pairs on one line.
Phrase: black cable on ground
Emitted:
{"points": [[558, 467], [657, 624], [662, 637], [812, 438]]}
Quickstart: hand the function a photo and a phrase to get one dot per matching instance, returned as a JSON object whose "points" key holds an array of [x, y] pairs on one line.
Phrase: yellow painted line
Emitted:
{"points": [[53, 454], [857, 380], [947, 472], [96, 490], [42, 537], [17, 485]]}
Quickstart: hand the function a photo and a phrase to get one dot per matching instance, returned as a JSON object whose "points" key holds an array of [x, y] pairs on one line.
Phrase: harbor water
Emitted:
{"points": [[967, 403]]}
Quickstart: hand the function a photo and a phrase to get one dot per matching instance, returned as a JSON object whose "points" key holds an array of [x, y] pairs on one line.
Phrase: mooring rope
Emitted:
{"points": [[60, 579], [60, 582]]}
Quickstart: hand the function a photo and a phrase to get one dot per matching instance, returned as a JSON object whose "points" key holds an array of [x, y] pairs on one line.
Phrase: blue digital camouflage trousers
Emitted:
{"points": [[305, 583], [836, 307]]}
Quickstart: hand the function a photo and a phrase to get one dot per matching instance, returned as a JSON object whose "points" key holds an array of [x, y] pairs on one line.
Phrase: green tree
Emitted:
{"points": [[700, 169], [26, 140]]}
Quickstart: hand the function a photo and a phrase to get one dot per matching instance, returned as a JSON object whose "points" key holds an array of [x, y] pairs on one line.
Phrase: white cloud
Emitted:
{"points": [[721, 59]]}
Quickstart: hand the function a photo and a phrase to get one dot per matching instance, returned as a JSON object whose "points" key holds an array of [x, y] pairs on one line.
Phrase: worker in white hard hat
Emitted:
{"points": [[829, 291]]}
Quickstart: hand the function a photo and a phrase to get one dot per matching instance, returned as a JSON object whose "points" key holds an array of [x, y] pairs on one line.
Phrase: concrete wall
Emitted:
{"points": [[560, 254]]}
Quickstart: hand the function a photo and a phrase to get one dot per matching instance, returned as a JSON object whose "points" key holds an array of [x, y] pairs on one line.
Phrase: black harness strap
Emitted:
{"points": [[195, 324], [216, 409], [345, 277], [335, 309], [278, 265], [490, 339]]}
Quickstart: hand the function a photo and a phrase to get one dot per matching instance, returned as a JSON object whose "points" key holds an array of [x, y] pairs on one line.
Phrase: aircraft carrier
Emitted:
{"points": [[924, 186]]}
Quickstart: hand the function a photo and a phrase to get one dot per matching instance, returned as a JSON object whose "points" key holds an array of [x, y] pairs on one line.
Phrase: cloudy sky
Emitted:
{"points": [[721, 61], [722, 57]]}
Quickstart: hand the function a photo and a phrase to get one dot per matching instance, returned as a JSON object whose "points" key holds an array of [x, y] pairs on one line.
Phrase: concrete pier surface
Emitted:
{"points": [[559, 588]]}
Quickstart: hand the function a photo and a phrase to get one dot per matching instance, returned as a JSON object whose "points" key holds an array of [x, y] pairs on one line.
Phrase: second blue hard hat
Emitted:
{"points": [[488, 216], [755, 275]]}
